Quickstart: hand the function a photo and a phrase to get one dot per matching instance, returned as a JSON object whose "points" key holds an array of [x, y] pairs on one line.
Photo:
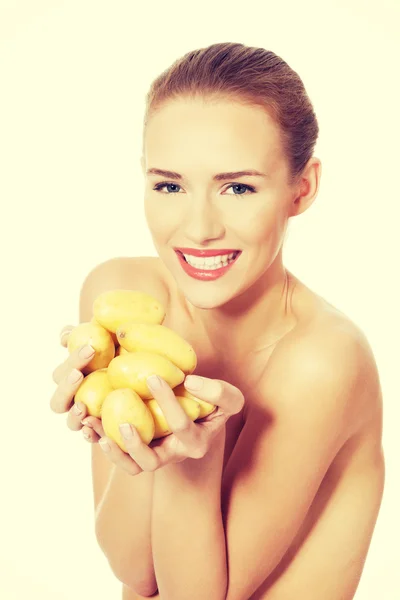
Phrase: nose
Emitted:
{"points": [[203, 223]]}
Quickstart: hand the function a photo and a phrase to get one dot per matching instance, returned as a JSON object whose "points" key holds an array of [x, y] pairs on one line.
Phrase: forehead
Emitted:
{"points": [[197, 130]]}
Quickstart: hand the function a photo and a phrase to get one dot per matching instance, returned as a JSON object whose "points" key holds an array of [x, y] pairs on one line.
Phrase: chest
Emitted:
{"points": [[244, 375]]}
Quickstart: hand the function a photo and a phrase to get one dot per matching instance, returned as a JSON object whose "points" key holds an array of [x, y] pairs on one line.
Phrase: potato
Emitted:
{"points": [[126, 406], [93, 390], [205, 407], [191, 408], [96, 336], [159, 339], [131, 370], [112, 308]]}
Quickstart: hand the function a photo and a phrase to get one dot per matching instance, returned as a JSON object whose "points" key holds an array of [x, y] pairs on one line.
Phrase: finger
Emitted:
{"points": [[95, 424], [90, 435], [76, 413], [119, 457], [76, 360], [63, 396], [143, 456], [216, 391], [178, 420], [64, 333]]}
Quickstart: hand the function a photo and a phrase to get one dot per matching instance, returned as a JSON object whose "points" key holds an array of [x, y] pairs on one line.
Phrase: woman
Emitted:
{"points": [[276, 494]]}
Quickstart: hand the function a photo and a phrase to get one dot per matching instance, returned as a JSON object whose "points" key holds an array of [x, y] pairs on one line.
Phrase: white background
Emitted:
{"points": [[73, 78]]}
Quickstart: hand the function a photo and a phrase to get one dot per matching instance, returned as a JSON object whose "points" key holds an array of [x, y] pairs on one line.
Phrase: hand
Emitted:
{"points": [[63, 397], [188, 439]]}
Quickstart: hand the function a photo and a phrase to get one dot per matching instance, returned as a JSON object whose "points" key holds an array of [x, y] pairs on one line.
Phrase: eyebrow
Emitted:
{"points": [[217, 177]]}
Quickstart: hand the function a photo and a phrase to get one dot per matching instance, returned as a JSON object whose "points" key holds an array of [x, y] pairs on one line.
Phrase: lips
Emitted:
{"points": [[205, 253]]}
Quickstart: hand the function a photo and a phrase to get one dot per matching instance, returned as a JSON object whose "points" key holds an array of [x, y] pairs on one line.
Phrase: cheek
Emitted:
{"points": [[161, 220], [258, 226]]}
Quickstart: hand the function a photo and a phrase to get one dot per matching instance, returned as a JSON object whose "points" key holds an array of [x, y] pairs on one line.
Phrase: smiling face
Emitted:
{"points": [[198, 141]]}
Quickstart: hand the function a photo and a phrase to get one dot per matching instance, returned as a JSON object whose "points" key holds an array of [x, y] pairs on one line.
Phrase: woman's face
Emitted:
{"points": [[250, 213]]}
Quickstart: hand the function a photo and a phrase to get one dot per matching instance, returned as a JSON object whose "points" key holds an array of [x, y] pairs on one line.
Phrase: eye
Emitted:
{"points": [[159, 186], [249, 188]]}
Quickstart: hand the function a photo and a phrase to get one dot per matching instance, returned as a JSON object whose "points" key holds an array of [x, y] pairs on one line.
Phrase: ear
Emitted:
{"points": [[307, 189]]}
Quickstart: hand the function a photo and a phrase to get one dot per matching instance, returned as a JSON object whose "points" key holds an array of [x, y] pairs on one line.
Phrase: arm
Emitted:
{"points": [[122, 503], [289, 440], [187, 532]]}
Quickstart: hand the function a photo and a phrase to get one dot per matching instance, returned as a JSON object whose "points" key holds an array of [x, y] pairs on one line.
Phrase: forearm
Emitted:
{"points": [[188, 538], [123, 523]]}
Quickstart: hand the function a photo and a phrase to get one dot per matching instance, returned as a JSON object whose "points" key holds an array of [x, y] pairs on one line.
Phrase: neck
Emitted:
{"points": [[251, 321]]}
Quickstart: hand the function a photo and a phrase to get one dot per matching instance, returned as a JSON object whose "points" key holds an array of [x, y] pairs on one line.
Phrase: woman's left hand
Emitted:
{"points": [[188, 439]]}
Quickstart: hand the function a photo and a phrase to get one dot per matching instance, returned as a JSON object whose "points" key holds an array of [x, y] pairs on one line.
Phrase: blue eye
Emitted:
{"points": [[249, 188]]}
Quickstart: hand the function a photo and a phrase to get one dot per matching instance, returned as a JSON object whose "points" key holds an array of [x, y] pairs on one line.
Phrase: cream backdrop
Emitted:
{"points": [[73, 77]]}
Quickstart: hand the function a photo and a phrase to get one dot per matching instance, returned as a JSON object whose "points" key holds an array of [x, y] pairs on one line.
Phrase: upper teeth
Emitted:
{"points": [[209, 260]]}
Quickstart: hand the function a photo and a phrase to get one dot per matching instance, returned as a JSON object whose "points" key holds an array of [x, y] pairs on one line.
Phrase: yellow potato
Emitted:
{"points": [[112, 308], [96, 336], [131, 370], [125, 406], [93, 390], [205, 407], [191, 408], [113, 335], [153, 337]]}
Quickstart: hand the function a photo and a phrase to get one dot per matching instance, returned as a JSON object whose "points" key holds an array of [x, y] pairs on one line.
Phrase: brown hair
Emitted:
{"points": [[250, 76]]}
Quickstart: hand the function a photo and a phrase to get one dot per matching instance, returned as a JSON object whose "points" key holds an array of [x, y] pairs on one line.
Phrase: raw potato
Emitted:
{"points": [[96, 336], [112, 308], [159, 339], [131, 370], [113, 335], [126, 406], [205, 407], [93, 390], [191, 408]]}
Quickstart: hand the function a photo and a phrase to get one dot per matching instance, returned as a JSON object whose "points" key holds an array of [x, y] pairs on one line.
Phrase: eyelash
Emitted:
{"points": [[158, 187]]}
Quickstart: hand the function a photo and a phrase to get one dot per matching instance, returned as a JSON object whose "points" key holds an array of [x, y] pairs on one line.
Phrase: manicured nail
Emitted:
{"points": [[104, 445], [194, 382], [126, 431], [74, 376], [154, 382], [86, 352], [77, 410]]}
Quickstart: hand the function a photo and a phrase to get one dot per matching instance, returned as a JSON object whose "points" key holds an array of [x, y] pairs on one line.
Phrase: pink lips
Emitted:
{"points": [[205, 274]]}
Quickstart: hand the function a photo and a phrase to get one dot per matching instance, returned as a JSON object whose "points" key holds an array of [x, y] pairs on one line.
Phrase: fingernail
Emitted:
{"points": [[194, 382], [86, 435], [104, 445], [74, 376], [86, 422], [86, 351], [154, 382], [126, 431], [77, 410]]}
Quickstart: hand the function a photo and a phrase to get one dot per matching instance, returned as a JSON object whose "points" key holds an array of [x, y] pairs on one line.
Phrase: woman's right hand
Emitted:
{"points": [[63, 397]]}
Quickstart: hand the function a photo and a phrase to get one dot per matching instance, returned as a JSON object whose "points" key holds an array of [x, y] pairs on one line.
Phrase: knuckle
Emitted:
{"points": [[183, 426], [56, 375], [199, 453], [153, 467]]}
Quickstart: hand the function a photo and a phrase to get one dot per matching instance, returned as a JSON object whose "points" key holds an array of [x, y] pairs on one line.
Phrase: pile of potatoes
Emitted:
{"points": [[131, 343]]}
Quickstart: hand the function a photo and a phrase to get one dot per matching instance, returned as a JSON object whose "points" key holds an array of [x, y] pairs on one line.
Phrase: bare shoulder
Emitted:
{"points": [[128, 272], [332, 348]]}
